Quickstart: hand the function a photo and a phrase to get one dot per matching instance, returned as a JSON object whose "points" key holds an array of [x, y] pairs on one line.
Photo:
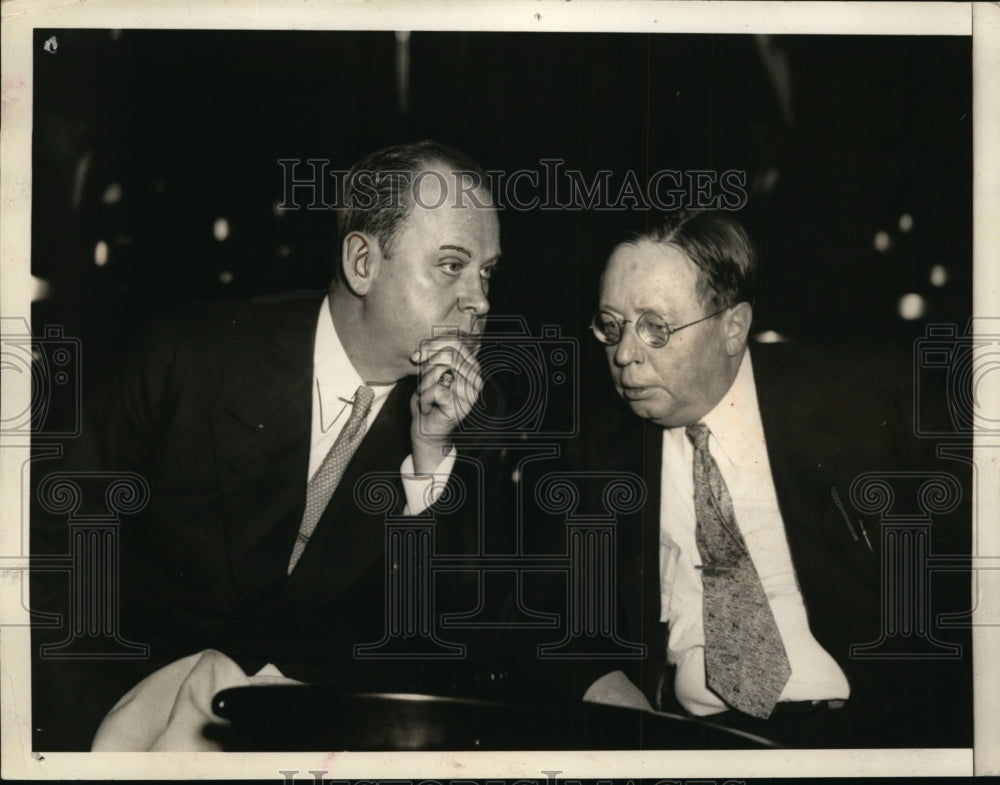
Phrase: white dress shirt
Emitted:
{"points": [[335, 381], [737, 443]]}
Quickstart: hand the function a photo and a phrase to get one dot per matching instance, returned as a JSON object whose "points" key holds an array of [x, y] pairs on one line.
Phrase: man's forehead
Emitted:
{"points": [[461, 220], [468, 231], [439, 187], [656, 269]]}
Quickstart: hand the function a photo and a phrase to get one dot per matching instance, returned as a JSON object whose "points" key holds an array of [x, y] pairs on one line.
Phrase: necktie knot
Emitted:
{"points": [[698, 433]]}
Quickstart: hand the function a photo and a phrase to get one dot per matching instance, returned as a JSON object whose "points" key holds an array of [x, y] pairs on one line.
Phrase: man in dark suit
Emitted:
{"points": [[750, 572], [275, 438]]}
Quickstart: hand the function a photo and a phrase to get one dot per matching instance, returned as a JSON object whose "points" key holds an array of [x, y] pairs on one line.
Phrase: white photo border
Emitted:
{"points": [[21, 17]]}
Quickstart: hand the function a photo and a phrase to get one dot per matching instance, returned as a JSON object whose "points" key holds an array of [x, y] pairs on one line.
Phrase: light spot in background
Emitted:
{"points": [[221, 229], [515, 476], [225, 277], [80, 177], [402, 71], [278, 212], [770, 179], [284, 251], [905, 222], [939, 275], [774, 58], [101, 253], [112, 194], [882, 241], [770, 336], [40, 288], [115, 34], [159, 187], [912, 306]]}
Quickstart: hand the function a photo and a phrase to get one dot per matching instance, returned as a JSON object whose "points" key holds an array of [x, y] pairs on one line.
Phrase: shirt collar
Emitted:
{"points": [[334, 377], [735, 421]]}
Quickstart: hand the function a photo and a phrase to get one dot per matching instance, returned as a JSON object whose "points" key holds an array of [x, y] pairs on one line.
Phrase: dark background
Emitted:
{"points": [[144, 138]]}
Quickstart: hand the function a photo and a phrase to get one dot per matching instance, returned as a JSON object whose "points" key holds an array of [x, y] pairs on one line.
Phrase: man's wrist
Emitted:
{"points": [[427, 456], [423, 490]]}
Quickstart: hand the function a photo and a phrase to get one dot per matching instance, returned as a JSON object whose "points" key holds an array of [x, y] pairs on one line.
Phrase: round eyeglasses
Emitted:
{"points": [[650, 326]]}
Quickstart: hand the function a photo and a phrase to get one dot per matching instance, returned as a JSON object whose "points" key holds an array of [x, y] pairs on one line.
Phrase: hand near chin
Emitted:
{"points": [[448, 384]]}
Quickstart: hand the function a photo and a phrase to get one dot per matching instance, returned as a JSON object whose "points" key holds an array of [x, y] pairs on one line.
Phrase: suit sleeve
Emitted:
{"points": [[120, 422]]}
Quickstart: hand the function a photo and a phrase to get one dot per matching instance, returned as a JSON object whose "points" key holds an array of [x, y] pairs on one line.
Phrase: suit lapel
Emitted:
{"points": [[800, 447], [262, 444], [805, 427], [653, 630], [348, 541], [638, 535]]}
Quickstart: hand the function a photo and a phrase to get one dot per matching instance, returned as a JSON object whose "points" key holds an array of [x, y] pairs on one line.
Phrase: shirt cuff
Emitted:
{"points": [[422, 490]]}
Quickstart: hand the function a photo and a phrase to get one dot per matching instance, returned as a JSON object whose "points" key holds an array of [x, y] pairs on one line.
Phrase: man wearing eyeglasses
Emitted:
{"points": [[747, 574]]}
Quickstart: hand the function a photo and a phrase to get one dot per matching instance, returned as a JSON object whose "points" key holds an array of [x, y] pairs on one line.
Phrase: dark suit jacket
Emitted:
{"points": [[213, 409], [827, 418]]}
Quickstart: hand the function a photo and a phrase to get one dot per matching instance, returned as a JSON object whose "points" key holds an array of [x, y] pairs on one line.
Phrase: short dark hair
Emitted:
{"points": [[378, 189], [721, 250]]}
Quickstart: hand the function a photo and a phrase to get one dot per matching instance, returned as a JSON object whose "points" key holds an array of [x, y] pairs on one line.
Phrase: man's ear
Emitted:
{"points": [[360, 257], [737, 322]]}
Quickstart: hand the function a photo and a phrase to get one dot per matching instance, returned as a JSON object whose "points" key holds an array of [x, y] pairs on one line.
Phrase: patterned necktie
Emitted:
{"points": [[324, 481], [745, 661]]}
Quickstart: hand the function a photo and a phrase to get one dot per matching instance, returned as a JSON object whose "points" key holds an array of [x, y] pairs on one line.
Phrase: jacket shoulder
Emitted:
{"points": [[836, 364], [202, 323]]}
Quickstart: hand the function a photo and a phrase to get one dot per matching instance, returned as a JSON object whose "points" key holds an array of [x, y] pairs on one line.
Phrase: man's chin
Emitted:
{"points": [[473, 342], [648, 410], [643, 409]]}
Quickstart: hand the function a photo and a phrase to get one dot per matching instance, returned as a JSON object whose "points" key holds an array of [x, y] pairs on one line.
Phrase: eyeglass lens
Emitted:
{"points": [[651, 328]]}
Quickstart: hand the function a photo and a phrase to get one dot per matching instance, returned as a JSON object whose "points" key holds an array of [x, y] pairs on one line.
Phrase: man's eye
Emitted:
{"points": [[487, 272], [451, 267]]}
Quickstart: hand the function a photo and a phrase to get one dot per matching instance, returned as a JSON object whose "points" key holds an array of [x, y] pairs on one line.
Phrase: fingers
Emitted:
{"points": [[452, 388], [464, 350], [449, 377], [445, 362]]}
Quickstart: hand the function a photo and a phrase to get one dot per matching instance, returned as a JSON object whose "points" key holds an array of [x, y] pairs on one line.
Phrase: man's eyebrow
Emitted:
{"points": [[458, 248]]}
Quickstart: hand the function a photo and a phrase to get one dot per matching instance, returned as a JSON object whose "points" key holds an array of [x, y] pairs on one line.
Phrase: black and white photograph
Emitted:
{"points": [[554, 390]]}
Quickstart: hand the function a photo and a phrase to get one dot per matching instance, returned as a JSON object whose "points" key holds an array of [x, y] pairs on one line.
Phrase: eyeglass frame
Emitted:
{"points": [[670, 330]]}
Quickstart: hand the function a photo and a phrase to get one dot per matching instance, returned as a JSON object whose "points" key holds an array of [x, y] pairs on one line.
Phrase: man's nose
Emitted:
{"points": [[629, 349], [475, 295]]}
